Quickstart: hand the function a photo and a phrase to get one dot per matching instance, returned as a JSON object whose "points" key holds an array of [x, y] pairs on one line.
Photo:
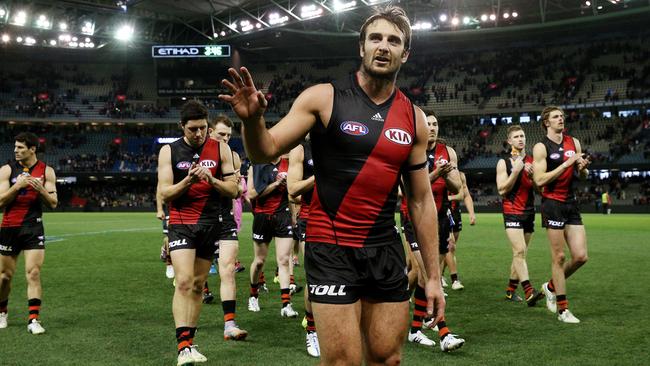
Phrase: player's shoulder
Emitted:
{"points": [[5, 169]]}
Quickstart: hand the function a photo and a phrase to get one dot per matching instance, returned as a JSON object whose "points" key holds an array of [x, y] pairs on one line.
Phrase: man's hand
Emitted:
{"points": [[35, 183], [246, 101], [583, 162], [22, 181], [442, 170], [472, 219], [528, 168], [435, 299], [518, 164], [160, 215], [572, 160]]}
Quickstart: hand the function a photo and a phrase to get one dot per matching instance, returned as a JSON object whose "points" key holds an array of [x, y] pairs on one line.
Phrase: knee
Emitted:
{"points": [[559, 258], [581, 258], [33, 274], [227, 271], [386, 358], [197, 285], [283, 260], [519, 253], [258, 262], [184, 283], [6, 276]]}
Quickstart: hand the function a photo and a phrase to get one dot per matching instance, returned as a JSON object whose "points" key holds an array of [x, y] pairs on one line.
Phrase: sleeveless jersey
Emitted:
{"points": [[278, 200], [440, 155], [27, 206], [307, 171], [358, 160], [563, 188], [200, 204], [520, 200]]}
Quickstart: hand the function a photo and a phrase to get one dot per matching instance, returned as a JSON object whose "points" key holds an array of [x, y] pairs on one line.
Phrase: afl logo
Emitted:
{"points": [[207, 163], [183, 165], [569, 153], [555, 156], [354, 128], [398, 136]]}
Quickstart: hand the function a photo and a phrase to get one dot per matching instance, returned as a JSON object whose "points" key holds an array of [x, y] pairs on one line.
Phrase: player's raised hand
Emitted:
{"points": [[246, 101]]}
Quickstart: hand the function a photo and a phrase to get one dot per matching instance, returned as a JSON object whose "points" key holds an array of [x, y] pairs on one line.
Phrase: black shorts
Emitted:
{"points": [[165, 223], [301, 229], [556, 214], [13, 240], [444, 229], [457, 225], [266, 227], [409, 233], [228, 227], [342, 275], [524, 221], [203, 238]]}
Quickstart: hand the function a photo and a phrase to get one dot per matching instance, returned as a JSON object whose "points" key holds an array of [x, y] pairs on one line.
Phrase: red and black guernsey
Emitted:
{"points": [[276, 201], [200, 204], [26, 207], [358, 161], [520, 200], [307, 171], [438, 186], [563, 188]]}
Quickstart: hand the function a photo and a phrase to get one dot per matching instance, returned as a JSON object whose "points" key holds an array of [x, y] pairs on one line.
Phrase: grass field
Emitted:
{"points": [[107, 302]]}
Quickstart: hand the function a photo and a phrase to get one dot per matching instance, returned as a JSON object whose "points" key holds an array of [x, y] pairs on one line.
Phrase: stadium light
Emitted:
{"points": [[493, 17], [246, 25], [20, 18], [6, 38], [19, 39], [88, 27], [455, 21], [484, 18], [3, 12], [29, 41], [52, 42], [506, 15], [422, 26], [124, 33], [43, 22], [343, 5], [515, 14], [587, 3], [443, 17], [466, 20], [63, 26], [310, 11], [275, 18], [223, 33]]}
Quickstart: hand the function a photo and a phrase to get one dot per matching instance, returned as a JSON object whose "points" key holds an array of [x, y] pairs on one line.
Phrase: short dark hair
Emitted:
{"points": [[393, 14], [27, 138], [193, 110], [429, 112], [223, 119], [512, 129]]}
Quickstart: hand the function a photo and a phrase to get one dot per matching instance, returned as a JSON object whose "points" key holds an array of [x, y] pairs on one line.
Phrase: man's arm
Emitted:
{"points": [[249, 104], [582, 163], [452, 179], [160, 213], [295, 184], [505, 182], [540, 176], [227, 187], [8, 192], [469, 202], [47, 191], [422, 211], [166, 187], [236, 163], [251, 193], [460, 196]]}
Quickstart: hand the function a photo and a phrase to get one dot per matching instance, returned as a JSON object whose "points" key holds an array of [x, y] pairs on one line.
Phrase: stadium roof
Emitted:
{"points": [[274, 25]]}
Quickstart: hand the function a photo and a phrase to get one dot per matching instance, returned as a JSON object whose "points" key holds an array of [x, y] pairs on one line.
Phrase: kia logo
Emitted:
{"points": [[398, 136], [569, 153], [207, 163]]}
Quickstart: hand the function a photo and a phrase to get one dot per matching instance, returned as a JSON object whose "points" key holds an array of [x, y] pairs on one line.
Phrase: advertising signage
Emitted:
{"points": [[190, 51]]}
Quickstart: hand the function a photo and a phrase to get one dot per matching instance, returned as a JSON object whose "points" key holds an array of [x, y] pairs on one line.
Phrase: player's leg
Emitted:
{"points": [[309, 323], [185, 295], [576, 238], [283, 256], [34, 259], [7, 270], [519, 265], [383, 327], [415, 334], [260, 252], [339, 333], [228, 251]]}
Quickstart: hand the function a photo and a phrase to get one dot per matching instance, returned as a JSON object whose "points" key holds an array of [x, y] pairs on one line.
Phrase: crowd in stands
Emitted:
{"points": [[104, 196]]}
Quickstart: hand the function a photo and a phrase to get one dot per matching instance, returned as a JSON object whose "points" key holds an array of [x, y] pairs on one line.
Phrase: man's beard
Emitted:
{"points": [[367, 69]]}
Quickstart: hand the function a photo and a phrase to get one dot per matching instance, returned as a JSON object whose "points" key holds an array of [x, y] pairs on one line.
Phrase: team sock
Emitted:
{"points": [[292, 280], [420, 309], [4, 305], [562, 304], [254, 290], [512, 285], [528, 288], [311, 323], [206, 289], [184, 337], [454, 277], [285, 296], [262, 280], [34, 309], [551, 287], [443, 331], [229, 307]]}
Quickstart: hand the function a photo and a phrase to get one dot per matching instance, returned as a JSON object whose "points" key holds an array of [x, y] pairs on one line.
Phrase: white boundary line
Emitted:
{"points": [[62, 237]]}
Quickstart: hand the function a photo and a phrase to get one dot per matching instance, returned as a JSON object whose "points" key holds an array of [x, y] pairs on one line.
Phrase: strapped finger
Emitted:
{"points": [[236, 77], [229, 85], [248, 79]]}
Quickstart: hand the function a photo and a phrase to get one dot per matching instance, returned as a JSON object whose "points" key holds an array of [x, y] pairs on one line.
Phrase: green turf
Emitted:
{"points": [[107, 302]]}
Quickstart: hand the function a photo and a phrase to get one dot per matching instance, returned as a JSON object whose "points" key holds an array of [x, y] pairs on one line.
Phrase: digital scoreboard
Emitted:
{"points": [[190, 51]]}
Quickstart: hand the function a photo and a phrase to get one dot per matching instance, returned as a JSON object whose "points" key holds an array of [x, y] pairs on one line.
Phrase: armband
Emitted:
{"points": [[416, 167]]}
